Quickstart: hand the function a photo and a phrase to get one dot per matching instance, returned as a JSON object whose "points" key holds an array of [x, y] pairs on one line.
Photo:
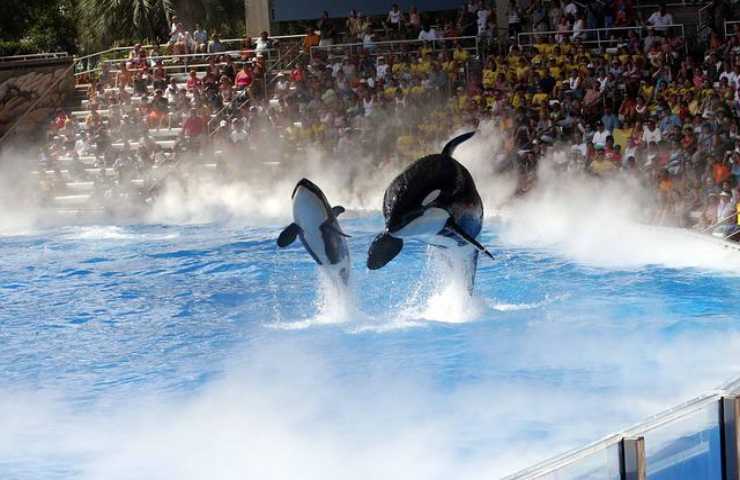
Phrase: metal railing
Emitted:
{"points": [[612, 446], [91, 63], [682, 3], [603, 35], [390, 47], [728, 33], [176, 62], [720, 222], [702, 15], [34, 56]]}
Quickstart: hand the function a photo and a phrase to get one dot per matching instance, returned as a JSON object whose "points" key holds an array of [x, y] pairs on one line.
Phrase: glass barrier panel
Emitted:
{"points": [[600, 465], [687, 448]]}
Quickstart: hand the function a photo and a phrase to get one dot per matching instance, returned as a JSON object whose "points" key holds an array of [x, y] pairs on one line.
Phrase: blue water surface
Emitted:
{"points": [[105, 321]]}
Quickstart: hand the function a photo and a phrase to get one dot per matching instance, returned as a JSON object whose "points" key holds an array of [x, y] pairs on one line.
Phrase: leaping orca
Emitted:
{"points": [[433, 200], [315, 223]]}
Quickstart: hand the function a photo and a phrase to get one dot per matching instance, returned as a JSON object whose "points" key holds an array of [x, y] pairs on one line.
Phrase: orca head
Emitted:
{"points": [[414, 207], [416, 202], [426, 216], [306, 185]]}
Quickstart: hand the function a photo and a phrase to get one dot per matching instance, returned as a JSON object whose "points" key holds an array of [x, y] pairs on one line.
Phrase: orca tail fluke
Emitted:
{"points": [[452, 144], [383, 249]]}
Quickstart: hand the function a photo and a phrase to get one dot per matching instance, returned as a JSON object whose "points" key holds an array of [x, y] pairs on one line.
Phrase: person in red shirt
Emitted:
{"points": [[720, 171], [194, 125], [193, 82], [244, 78], [297, 75]]}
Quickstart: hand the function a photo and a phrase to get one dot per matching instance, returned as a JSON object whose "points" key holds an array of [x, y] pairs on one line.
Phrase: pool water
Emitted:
{"points": [[204, 351]]}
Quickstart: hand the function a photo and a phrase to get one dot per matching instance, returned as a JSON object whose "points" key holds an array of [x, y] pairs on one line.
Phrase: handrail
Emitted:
{"points": [[700, 15], [164, 45], [36, 102], [730, 22], [651, 423], [198, 55], [378, 45], [598, 32], [30, 56], [720, 222]]}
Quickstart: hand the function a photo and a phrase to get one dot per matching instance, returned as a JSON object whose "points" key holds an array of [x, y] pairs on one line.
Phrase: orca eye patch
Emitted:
{"points": [[432, 196]]}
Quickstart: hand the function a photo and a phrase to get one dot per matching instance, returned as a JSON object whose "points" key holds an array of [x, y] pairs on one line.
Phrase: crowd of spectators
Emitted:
{"points": [[635, 104]]}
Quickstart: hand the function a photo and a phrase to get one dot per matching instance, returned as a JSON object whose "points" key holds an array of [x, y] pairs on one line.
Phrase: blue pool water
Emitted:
{"points": [[201, 351]]}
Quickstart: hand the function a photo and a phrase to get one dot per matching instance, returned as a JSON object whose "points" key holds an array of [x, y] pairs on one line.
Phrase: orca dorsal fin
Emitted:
{"points": [[288, 235], [452, 144], [329, 225], [337, 210]]}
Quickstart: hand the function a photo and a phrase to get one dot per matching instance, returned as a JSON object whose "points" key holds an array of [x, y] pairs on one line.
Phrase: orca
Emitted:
{"points": [[315, 223], [433, 200]]}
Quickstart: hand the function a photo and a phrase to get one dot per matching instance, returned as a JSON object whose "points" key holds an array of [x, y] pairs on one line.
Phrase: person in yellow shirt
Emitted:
{"points": [[459, 54], [489, 78], [540, 98], [417, 89]]}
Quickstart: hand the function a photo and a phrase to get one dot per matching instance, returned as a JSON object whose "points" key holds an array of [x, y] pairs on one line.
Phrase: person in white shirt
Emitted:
{"points": [[381, 70], [483, 15], [578, 27], [427, 33], [651, 133], [660, 20], [570, 9], [395, 18], [263, 43], [600, 135], [732, 76]]}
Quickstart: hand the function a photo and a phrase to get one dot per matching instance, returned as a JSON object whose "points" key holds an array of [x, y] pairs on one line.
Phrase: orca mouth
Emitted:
{"points": [[308, 185], [420, 222], [404, 220]]}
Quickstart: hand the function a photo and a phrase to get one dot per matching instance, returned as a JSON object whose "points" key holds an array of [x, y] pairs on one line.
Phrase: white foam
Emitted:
{"points": [[335, 304]]}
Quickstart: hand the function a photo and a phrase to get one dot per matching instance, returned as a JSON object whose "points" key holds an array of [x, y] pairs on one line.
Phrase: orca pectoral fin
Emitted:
{"points": [[337, 210], [329, 225], [464, 235], [288, 235], [383, 249]]}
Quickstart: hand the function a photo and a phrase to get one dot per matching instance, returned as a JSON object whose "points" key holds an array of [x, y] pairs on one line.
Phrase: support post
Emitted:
{"points": [[632, 459], [257, 16], [730, 411]]}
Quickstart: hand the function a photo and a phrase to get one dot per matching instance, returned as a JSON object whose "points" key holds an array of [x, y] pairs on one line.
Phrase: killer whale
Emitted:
{"points": [[315, 223], [434, 200]]}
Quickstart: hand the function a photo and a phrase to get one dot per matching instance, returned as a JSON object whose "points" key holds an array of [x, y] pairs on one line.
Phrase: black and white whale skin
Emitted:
{"points": [[434, 200], [315, 223]]}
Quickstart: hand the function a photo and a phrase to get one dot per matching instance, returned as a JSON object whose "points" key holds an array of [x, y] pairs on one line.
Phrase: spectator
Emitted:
{"points": [[244, 78], [326, 30], [311, 39], [394, 21], [515, 19], [215, 45], [660, 19], [263, 44], [428, 34], [200, 38]]}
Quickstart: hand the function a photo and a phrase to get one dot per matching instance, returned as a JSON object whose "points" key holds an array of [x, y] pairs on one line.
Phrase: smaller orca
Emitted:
{"points": [[316, 224]]}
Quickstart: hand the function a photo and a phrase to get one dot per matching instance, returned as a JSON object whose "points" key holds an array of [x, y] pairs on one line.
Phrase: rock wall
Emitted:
{"points": [[22, 83]]}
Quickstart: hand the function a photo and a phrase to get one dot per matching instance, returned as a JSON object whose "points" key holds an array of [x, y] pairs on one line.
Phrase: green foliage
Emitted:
{"points": [[28, 26], [86, 26]]}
